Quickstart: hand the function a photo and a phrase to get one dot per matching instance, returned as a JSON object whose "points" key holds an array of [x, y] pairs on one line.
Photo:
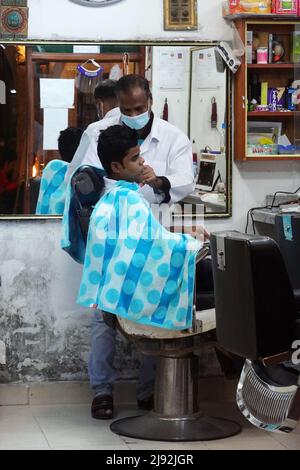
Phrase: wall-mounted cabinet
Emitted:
{"points": [[267, 91]]}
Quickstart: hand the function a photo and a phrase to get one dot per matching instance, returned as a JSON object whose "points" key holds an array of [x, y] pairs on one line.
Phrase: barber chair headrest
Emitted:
{"points": [[88, 185], [255, 306]]}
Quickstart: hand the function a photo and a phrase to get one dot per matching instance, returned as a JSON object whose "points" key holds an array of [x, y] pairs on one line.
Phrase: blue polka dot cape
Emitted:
{"points": [[133, 266], [52, 192]]}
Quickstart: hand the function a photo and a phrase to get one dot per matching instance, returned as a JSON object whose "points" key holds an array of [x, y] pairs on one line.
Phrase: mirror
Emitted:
{"points": [[42, 93], [208, 122]]}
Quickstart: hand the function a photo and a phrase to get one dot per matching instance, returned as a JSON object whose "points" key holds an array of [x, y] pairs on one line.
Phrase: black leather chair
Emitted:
{"points": [[287, 232], [257, 319]]}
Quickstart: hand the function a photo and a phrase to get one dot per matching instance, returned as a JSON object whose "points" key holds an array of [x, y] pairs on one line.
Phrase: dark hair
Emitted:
{"points": [[128, 82], [105, 90], [68, 142], [114, 144]]}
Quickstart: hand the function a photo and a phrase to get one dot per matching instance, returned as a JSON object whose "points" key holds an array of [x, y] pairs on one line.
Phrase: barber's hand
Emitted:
{"points": [[149, 177]]}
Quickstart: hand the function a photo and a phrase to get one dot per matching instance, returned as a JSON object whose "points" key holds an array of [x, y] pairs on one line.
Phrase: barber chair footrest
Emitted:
{"points": [[155, 427]]}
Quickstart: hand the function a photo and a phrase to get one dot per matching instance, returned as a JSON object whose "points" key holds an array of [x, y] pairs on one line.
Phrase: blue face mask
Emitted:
{"points": [[136, 122]]}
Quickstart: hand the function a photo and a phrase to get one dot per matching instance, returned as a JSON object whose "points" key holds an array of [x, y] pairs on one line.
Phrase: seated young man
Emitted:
{"points": [[134, 267]]}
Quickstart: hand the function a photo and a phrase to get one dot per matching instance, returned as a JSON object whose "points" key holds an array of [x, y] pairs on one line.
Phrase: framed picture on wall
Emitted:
{"points": [[180, 15]]}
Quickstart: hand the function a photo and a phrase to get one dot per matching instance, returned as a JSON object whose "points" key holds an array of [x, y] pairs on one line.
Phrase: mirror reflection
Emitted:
{"points": [[208, 122], [50, 94]]}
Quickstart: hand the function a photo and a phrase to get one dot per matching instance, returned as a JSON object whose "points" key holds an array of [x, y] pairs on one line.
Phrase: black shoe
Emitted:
{"points": [[102, 407], [146, 404]]}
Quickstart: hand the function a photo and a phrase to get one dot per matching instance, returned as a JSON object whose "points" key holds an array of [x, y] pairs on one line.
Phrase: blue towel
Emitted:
{"points": [[72, 240], [134, 267], [52, 192]]}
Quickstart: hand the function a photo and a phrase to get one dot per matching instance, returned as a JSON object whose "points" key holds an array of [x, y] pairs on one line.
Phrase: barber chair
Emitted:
{"points": [[87, 185], [176, 415], [257, 319], [287, 232]]}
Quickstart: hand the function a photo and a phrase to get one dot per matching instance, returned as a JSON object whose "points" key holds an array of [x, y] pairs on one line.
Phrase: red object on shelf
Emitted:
{"points": [[278, 7]]}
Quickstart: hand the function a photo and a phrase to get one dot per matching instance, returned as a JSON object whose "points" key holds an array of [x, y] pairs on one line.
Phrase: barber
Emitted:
{"points": [[166, 150], [168, 177]]}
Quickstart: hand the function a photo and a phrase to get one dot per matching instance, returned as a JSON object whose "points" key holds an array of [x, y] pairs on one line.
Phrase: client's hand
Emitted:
{"points": [[149, 177], [198, 232]]}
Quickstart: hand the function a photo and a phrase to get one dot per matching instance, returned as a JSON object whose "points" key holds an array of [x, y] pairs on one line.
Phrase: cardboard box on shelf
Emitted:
{"points": [[285, 7], [233, 7], [261, 7], [296, 47]]}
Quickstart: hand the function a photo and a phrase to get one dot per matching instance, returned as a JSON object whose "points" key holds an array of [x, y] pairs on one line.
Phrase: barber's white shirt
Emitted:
{"points": [[166, 149]]}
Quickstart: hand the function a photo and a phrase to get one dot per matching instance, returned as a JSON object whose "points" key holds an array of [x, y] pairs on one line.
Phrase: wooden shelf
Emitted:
{"points": [[272, 157], [275, 74], [287, 65], [268, 16], [287, 114]]}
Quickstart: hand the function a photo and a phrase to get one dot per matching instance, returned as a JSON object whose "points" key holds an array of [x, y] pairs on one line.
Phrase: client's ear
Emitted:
{"points": [[116, 167]]}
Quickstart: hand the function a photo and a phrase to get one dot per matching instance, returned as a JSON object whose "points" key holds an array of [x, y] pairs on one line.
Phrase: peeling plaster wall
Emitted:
{"points": [[44, 335]]}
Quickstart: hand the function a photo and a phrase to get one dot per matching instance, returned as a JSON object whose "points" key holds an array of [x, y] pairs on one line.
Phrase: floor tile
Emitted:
{"points": [[71, 426], [19, 429], [290, 441]]}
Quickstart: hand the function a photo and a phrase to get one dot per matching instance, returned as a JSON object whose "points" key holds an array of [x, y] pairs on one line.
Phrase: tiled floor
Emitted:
{"points": [[71, 427]]}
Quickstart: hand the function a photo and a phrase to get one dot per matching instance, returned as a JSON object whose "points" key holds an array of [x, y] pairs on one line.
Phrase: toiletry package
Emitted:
{"points": [[285, 7]]}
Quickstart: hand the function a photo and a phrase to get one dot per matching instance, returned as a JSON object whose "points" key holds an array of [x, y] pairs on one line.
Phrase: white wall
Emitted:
{"points": [[127, 20]]}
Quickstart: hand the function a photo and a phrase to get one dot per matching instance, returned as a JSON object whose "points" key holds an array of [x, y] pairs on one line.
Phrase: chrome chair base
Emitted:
{"points": [[176, 415], [155, 427]]}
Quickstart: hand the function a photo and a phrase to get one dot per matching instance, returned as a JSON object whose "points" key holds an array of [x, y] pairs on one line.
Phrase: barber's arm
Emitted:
{"points": [[180, 169], [178, 181], [86, 153], [79, 156]]}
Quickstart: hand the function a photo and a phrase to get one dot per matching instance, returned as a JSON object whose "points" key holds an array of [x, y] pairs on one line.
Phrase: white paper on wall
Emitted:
{"points": [[57, 92], [2, 92], [171, 69], [207, 75], [86, 49], [55, 120]]}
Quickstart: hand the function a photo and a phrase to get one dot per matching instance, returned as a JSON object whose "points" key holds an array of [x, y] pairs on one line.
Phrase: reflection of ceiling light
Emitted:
{"points": [[13, 92], [2, 45]]}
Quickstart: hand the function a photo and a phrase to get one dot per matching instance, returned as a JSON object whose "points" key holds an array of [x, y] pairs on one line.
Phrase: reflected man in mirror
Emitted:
{"points": [[52, 193], [106, 100]]}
